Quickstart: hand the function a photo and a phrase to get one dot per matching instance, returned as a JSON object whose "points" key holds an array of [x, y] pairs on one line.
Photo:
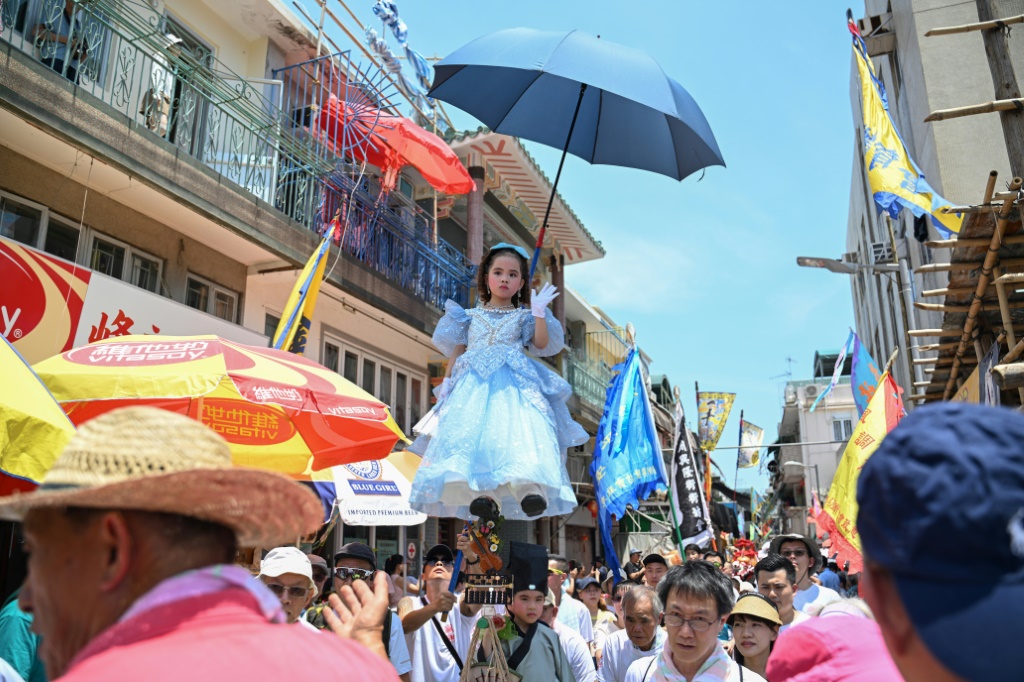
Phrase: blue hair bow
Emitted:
{"points": [[518, 249]]}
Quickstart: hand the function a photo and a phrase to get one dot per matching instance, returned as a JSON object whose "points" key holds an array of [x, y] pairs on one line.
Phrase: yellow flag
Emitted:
{"points": [[712, 413], [298, 312], [839, 517], [895, 180]]}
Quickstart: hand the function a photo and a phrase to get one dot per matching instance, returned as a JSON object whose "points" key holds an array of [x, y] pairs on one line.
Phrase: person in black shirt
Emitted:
{"points": [[633, 569]]}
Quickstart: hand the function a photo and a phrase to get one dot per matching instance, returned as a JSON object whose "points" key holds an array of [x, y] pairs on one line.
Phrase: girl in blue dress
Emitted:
{"points": [[503, 427]]}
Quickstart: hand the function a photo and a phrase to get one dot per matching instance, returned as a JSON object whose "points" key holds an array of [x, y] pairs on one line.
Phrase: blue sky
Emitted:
{"points": [[706, 270]]}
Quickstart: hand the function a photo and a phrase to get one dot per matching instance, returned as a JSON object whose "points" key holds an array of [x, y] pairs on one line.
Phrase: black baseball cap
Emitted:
{"points": [[655, 559], [952, 475], [438, 553], [356, 550]]}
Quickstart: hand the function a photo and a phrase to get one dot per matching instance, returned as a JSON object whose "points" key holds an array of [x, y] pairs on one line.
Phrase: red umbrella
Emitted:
{"points": [[396, 142]]}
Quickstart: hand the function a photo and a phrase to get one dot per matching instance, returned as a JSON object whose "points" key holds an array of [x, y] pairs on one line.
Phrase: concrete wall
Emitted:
{"points": [[180, 254]]}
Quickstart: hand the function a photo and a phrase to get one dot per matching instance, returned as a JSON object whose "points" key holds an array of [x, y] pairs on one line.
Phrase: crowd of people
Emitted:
{"points": [[132, 541]]}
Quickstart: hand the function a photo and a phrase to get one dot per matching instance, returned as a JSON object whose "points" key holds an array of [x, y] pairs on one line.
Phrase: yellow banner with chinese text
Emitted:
{"points": [[839, 517]]}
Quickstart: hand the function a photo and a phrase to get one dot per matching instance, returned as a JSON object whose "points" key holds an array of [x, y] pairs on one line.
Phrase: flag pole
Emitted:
{"points": [[707, 467], [672, 492], [736, 477]]}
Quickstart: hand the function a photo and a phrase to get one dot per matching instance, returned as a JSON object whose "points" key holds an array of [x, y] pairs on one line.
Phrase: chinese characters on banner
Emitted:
{"points": [[712, 413], [751, 438], [839, 517], [689, 506]]}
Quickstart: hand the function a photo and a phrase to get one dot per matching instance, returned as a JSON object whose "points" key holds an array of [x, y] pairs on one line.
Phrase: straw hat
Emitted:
{"points": [[758, 606], [148, 459]]}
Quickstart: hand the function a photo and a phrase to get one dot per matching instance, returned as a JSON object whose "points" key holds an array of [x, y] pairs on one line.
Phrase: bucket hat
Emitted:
{"points": [[757, 605], [813, 550], [148, 459], [952, 476]]}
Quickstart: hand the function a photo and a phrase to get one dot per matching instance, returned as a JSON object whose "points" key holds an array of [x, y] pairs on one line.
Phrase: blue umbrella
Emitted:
{"points": [[603, 102]]}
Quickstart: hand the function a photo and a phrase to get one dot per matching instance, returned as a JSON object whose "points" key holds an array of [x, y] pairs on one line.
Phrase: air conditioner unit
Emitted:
{"points": [[811, 391], [881, 252], [790, 395]]}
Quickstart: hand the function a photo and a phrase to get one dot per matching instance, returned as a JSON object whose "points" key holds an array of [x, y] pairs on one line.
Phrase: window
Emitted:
{"points": [[270, 323], [19, 221], [116, 259], [61, 239], [397, 387], [204, 295], [842, 429]]}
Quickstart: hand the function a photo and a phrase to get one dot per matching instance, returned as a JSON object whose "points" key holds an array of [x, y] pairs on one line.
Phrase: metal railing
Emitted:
{"points": [[122, 52], [589, 366]]}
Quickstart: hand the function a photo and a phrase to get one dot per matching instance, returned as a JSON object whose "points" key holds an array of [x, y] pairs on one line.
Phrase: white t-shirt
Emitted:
{"points": [[815, 594], [643, 671], [620, 653], [798, 617], [431, 660], [578, 653], [572, 613]]}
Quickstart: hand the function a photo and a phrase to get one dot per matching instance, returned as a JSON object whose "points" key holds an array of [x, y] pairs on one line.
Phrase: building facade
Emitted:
{"points": [[921, 75], [810, 445]]}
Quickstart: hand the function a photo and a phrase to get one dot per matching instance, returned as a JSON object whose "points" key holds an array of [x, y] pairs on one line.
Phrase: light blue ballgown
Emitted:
{"points": [[504, 429]]}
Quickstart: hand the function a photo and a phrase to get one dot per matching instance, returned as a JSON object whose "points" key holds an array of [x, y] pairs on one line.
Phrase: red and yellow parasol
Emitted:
{"points": [[277, 410]]}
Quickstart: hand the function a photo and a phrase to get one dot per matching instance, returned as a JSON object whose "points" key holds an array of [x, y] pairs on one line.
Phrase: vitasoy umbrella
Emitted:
{"points": [[277, 410], [603, 102]]}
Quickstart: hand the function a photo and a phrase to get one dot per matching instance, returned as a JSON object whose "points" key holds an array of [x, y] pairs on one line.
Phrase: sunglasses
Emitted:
{"points": [[293, 592], [320, 573], [354, 573], [433, 561]]}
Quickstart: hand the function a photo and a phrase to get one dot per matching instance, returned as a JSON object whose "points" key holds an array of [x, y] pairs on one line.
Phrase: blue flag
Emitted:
{"points": [[627, 465], [864, 375], [837, 370]]}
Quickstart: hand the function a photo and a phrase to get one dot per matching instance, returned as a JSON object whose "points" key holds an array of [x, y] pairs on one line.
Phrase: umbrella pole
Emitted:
{"points": [[554, 187]]}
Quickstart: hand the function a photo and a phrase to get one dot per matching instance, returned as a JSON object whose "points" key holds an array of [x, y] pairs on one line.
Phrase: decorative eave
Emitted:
{"points": [[514, 177]]}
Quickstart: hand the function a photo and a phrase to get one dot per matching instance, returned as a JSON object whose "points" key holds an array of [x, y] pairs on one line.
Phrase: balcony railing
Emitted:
{"points": [[122, 53], [589, 367]]}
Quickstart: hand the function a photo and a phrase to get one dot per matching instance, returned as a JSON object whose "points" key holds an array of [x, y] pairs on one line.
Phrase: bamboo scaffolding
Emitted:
{"points": [[977, 26], [988, 307], [972, 241], [975, 109], [951, 291], [938, 346], [1005, 305], [970, 265], [991, 258], [981, 208], [924, 396], [952, 331], [1014, 353], [938, 362]]}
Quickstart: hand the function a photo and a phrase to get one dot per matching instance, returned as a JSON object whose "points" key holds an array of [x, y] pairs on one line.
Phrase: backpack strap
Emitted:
{"points": [[386, 633], [444, 638]]}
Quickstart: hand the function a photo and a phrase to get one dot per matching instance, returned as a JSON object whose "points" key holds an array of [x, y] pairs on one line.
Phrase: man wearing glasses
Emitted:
{"points": [[356, 561], [804, 553], [288, 574], [698, 599], [438, 625]]}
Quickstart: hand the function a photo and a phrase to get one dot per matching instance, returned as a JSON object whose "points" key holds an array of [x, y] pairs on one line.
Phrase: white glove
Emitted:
{"points": [[539, 300], [442, 391]]}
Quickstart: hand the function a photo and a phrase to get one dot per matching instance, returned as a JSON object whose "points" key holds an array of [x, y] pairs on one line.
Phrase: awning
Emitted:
{"points": [[372, 493]]}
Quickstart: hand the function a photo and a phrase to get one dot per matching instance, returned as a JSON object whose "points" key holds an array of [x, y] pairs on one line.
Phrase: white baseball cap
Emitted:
{"points": [[281, 560]]}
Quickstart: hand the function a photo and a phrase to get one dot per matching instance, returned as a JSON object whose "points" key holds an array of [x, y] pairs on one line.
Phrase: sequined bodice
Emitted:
{"points": [[493, 328]]}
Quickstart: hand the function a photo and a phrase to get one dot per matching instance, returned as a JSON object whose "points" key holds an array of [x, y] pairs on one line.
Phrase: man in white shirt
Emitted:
{"points": [[438, 648], [571, 612], [805, 555], [776, 579], [642, 638], [573, 644]]}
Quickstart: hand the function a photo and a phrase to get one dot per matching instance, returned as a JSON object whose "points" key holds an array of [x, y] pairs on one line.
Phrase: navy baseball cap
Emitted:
{"points": [[942, 509], [584, 583]]}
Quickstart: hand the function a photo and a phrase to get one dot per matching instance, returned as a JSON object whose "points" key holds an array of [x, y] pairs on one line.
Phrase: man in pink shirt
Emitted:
{"points": [[131, 539]]}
